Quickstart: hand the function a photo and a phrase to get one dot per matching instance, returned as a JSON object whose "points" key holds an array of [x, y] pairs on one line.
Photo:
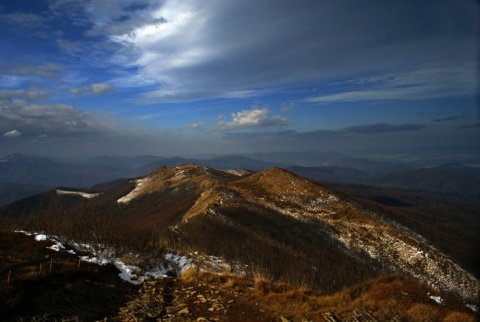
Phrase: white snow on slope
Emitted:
{"points": [[133, 274], [40, 237], [139, 183], [86, 195], [237, 173]]}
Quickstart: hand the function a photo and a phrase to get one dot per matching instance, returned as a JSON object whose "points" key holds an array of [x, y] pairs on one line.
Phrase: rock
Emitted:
{"points": [[184, 311], [284, 319], [211, 309]]}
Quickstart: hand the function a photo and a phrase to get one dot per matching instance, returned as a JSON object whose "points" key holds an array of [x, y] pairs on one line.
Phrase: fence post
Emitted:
{"points": [[51, 262], [78, 263], [40, 271], [8, 279]]}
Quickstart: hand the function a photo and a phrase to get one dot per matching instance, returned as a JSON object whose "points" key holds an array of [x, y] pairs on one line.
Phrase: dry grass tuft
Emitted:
{"points": [[458, 316], [425, 313], [191, 274]]}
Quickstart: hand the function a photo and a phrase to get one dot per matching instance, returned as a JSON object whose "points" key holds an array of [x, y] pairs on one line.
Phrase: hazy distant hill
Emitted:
{"points": [[331, 174], [20, 171], [331, 159], [451, 178], [281, 225], [33, 170]]}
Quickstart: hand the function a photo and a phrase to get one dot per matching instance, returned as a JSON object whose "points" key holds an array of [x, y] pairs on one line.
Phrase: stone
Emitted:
{"points": [[184, 311]]}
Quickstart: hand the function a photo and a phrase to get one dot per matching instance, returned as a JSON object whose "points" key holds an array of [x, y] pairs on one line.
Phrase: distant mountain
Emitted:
{"points": [[279, 224], [451, 178], [126, 161], [330, 159], [10, 192], [331, 174], [38, 171]]}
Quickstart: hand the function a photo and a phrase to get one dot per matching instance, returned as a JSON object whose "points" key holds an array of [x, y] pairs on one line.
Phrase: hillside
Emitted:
{"points": [[68, 289], [284, 227]]}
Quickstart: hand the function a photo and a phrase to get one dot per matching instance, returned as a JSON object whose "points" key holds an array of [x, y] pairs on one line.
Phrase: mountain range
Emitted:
{"points": [[24, 175]]}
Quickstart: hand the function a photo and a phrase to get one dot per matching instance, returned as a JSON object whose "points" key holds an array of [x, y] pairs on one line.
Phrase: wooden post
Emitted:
{"points": [[79, 263], [40, 271], [51, 262], [9, 273]]}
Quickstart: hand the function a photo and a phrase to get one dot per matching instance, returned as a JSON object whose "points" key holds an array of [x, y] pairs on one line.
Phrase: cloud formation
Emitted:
{"points": [[52, 120], [95, 89], [181, 47], [26, 94], [383, 128], [12, 133], [255, 117], [49, 71]]}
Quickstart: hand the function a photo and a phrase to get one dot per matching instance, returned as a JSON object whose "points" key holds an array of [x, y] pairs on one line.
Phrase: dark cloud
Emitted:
{"points": [[285, 136], [379, 128], [470, 126], [26, 94], [49, 71], [191, 57], [451, 118], [95, 89]]}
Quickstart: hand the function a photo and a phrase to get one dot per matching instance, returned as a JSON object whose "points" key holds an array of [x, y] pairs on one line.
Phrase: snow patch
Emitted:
{"points": [[139, 183], [237, 173], [472, 307], [57, 247], [40, 237], [87, 195], [437, 299]]}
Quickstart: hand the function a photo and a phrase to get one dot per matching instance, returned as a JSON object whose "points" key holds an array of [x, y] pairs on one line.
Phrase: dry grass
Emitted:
{"points": [[459, 316], [385, 297], [191, 274]]}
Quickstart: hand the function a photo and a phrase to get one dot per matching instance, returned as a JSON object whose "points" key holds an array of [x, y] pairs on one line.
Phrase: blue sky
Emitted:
{"points": [[85, 78]]}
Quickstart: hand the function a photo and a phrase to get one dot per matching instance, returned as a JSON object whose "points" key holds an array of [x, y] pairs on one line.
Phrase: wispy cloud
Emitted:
{"points": [[21, 19], [425, 83]]}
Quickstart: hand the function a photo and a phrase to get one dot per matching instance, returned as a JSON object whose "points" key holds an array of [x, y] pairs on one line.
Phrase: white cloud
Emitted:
{"points": [[194, 125], [96, 89], [13, 133], [255, 117]]}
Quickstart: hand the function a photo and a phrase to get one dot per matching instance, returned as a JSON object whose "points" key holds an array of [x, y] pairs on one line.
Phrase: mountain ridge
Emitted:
{"points": [[291, 216]]}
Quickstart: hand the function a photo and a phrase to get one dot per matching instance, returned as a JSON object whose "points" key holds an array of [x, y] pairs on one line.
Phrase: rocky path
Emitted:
{"points": [[172, 300]]}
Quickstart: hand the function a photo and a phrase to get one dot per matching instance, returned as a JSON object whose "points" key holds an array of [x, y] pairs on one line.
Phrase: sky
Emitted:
{"points": [[82, 78]]}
